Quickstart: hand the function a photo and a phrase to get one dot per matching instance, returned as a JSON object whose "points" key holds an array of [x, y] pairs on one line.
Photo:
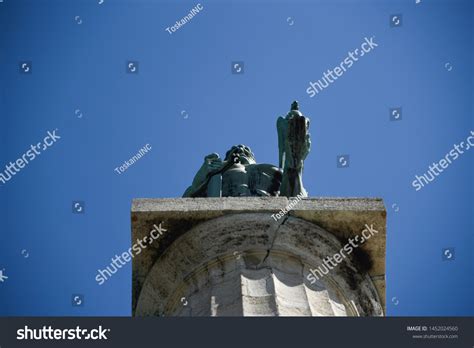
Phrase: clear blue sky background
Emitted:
{"points": [[82, 66]]}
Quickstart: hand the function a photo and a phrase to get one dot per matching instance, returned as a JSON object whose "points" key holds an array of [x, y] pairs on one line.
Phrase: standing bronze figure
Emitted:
{"points": [[240, 175]]}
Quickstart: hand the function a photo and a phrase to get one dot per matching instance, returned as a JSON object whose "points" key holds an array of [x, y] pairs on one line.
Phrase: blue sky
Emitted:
{"points": [[186, 103]]}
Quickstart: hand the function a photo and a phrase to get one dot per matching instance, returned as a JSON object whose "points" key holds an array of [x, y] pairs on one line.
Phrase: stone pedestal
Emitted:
{"points": [[230, 257]]}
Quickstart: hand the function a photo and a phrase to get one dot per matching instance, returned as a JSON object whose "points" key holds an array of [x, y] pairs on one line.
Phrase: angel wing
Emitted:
{"points": [[282, 130]]}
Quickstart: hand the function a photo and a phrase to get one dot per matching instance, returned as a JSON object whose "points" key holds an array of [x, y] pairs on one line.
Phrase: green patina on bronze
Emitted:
{"points": [[240, 175]]}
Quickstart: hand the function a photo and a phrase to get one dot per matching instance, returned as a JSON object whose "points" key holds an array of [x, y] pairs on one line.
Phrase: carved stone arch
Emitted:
{"points": [[247, 264]]}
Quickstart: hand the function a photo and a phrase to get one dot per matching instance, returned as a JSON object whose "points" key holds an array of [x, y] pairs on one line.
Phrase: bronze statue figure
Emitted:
{"points": [[240, 175]]}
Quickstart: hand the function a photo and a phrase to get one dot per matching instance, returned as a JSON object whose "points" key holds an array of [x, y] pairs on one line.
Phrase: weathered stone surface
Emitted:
{"points": [[228, 256]]}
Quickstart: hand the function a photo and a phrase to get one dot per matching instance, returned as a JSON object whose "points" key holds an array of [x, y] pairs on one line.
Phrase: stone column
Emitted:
{"points": [[230, 257]]}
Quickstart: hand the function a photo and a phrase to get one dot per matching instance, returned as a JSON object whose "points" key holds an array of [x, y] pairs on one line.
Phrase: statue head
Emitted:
{"points": [[243, 152], [294, 110]]}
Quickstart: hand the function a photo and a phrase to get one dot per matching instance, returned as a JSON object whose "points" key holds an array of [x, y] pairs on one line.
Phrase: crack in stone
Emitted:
{"points": [[275, 233]]}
